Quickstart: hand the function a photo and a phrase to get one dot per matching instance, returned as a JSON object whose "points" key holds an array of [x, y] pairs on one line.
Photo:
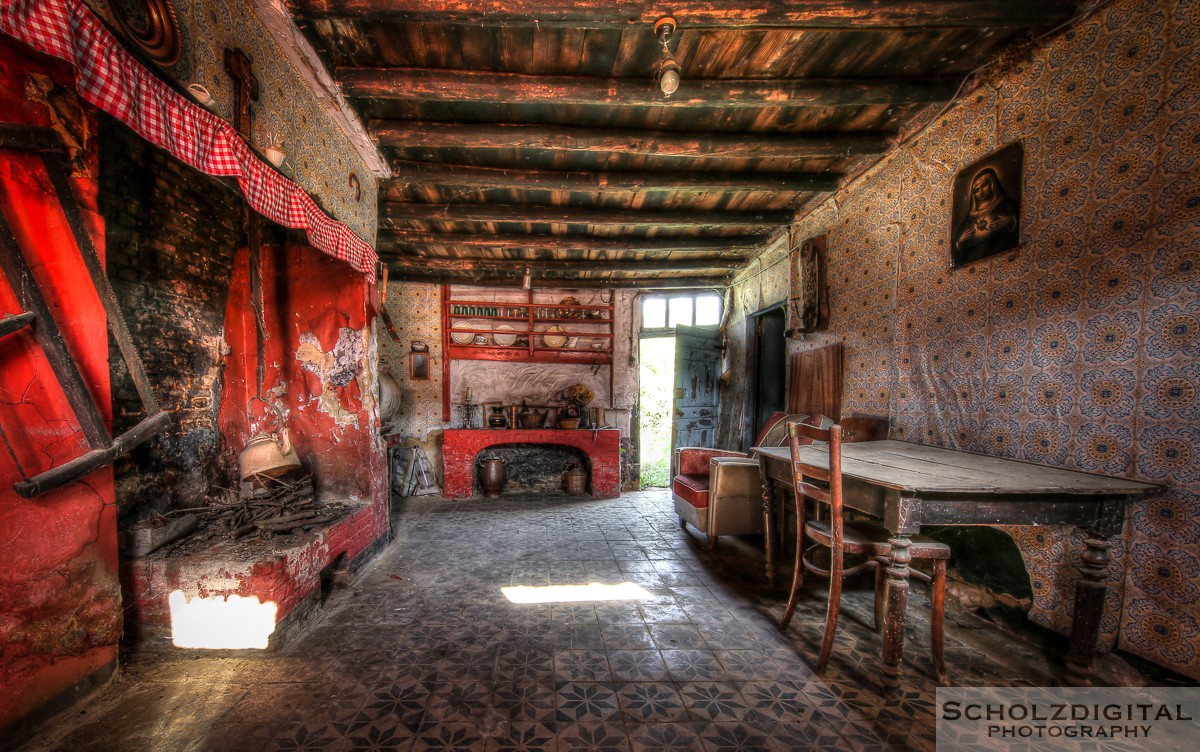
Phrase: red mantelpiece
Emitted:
{"points": [[460, 446]]}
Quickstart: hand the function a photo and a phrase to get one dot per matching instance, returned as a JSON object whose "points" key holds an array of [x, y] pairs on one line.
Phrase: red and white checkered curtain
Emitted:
{"points": [[111, 79]]}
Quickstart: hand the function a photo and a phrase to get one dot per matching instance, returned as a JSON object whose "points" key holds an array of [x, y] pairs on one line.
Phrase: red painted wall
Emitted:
{"points": [[320, 368], [60, 610]]}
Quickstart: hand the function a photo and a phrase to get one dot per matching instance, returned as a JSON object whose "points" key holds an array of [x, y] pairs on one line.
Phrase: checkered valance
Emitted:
{"points": [[112, 80]]}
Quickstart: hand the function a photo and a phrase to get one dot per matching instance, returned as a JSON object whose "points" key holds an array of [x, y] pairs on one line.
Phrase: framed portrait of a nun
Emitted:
{"points": [[986, 216]]}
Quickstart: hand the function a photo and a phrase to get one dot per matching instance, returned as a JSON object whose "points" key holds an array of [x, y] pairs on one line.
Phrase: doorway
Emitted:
{"points": [[766, 393], [655, 377], [659, 315]]}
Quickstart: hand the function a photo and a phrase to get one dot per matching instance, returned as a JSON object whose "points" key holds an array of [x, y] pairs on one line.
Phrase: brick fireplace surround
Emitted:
{"points": [[461, 446]]}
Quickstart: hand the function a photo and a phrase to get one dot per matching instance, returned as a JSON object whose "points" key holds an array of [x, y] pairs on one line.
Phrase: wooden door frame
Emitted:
{"points": [[750, 408]]}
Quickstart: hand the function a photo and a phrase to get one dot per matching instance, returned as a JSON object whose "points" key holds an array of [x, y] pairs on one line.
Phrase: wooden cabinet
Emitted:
{"points": [[523, 326]]}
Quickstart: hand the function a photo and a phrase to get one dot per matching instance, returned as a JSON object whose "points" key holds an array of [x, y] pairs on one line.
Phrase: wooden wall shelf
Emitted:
{"points": [[540, 331]]}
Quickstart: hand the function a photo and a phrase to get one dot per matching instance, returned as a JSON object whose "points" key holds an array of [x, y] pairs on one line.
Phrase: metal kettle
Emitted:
{"points": [[268, 454]]}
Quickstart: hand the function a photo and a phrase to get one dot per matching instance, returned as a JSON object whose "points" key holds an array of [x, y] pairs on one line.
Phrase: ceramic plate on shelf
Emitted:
{"points": [[553, 337], [506, 339], [466, 338]]}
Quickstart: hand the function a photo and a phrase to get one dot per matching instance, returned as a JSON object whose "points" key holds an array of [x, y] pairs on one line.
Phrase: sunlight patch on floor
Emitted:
{"points": [[625, 591]]}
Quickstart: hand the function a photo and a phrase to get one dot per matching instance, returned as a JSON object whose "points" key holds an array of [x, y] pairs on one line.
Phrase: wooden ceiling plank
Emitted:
{"points": [[446, 85], [393, 212], [568, 243], [798, 14], [484, 178], [429, 135]]}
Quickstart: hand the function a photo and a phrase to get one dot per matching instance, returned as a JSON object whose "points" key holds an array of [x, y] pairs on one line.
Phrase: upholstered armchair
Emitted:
{"points": [[719, 492]]}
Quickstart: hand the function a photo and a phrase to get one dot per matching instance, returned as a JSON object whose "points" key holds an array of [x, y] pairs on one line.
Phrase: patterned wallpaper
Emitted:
{"points": [[1079, 349], [320, 159]]}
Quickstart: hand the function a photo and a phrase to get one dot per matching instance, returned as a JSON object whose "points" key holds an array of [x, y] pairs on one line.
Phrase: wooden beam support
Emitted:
{"points": [[566, 283], [414, 134], [695, 14], [441, 85], [389, 239], [517, 267], [486, 178], [395, 212]]}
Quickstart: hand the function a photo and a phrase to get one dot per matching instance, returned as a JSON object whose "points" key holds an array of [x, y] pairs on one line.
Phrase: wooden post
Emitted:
{"points": [[245, 90]]}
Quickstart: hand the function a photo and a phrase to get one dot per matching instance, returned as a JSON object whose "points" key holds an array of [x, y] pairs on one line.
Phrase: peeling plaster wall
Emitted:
{"points": [[416, 311], [320, 369], [60, 609], [762, 285], [1078, 349]]}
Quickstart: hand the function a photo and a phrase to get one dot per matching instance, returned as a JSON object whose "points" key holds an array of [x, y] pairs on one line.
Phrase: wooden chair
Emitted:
{"points": [[866, 540]]}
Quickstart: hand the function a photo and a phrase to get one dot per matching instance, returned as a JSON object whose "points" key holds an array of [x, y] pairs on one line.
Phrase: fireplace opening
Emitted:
{"points": [[533, 468]]}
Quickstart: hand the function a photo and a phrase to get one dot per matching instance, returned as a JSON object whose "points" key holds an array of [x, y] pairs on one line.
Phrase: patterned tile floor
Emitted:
{"points": [[423, 652]]}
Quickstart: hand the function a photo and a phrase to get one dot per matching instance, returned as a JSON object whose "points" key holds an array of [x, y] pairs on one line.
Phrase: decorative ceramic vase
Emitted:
{"points": [[491, 476], [497, 419]]}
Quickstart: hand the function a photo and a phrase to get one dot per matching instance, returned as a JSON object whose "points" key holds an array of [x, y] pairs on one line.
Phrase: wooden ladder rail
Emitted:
{"points": [[105, 449]]}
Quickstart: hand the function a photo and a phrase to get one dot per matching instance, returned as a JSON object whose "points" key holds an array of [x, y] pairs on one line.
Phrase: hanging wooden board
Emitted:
{"points": [[816, 382]]}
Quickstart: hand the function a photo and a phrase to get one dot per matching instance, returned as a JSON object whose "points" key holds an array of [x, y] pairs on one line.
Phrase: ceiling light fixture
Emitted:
{"points": [[668, 69], [527, 282]]}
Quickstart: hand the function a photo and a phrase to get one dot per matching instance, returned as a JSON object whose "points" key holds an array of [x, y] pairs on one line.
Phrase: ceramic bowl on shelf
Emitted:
{"points": [[554, 337]]}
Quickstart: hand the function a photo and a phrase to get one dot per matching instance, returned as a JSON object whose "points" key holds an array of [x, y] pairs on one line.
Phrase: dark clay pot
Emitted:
{"points": [[491, 476]]}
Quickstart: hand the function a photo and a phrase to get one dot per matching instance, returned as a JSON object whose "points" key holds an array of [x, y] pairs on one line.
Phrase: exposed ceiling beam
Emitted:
{"points": [[412, 134], [441, 85], [483, 178], [692, 14], [504, 280], [569, 243], [484, 265], [393, 212]]}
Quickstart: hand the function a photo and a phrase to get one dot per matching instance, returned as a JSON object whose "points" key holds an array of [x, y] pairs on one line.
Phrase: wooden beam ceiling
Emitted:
{"points": [[552, 244], [393, 212], [485, 265], [484, 178], [799, 14], [440, 85], [501, 279], [412, 134]]}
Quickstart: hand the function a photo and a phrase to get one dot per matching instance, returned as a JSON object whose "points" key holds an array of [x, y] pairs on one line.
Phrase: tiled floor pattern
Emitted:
{"points": [[423, 652]]}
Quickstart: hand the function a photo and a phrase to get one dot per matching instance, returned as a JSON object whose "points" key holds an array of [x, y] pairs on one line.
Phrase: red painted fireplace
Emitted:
{"points": [[460, 447]]}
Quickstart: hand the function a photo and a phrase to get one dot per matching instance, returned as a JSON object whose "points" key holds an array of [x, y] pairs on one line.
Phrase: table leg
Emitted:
{"points": [[896, 599], [1089, 609], [768, 505]]}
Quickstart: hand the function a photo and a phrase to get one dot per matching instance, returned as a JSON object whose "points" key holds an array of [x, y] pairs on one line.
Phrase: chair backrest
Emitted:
{"points": [[774, 430], [829, 442]]}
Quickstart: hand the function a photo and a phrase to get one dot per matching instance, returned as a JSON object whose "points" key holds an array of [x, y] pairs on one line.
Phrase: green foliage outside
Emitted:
{"points": [[656, 377]]}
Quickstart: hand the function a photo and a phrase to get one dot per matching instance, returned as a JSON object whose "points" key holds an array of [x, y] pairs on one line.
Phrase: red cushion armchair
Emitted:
{"points": [[719, 492]]}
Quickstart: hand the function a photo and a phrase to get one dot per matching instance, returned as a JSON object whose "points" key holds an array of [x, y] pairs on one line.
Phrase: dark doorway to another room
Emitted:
{"points": [[767, 366]]}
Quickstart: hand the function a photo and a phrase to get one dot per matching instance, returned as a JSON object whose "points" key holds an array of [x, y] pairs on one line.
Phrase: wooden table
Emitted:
{"points": [[911, 485]]}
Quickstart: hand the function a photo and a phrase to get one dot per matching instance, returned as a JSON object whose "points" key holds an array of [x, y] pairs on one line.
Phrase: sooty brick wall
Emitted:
{"points": [[171, 236]]}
